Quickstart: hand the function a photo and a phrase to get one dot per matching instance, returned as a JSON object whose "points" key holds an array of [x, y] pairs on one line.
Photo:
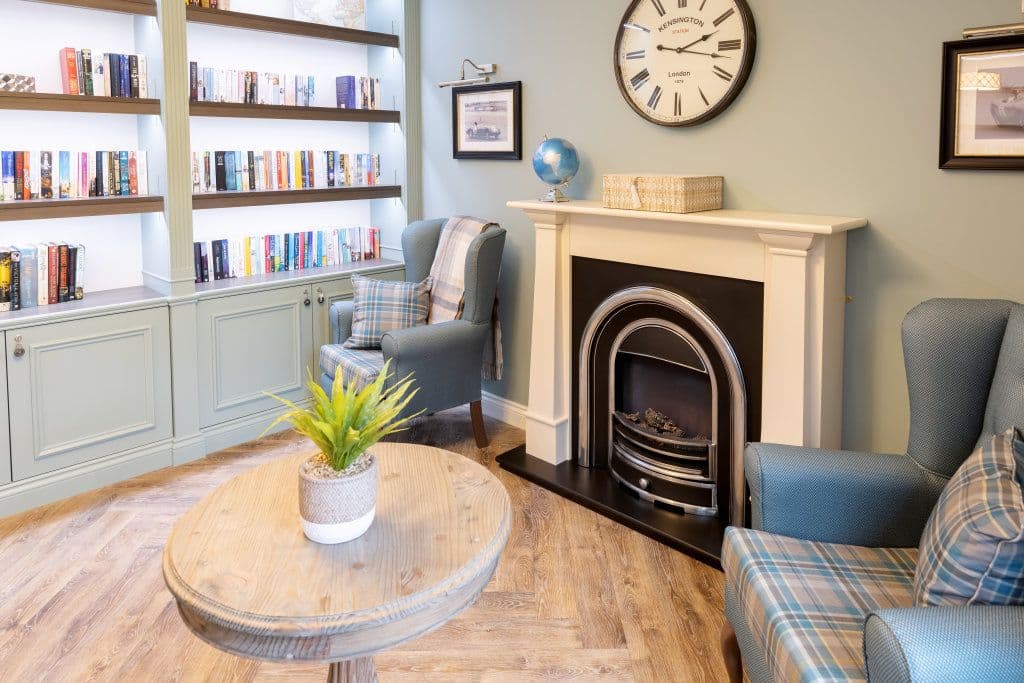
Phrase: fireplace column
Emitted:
{"points": [[548, 430]]}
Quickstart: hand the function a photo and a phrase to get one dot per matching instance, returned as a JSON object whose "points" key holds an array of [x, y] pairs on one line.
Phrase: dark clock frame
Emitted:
{"points": [[749, 37]]}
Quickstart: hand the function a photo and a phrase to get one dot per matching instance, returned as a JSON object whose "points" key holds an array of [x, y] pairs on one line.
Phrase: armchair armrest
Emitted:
{"points": [[944, 644], [341, 321], [839, 496], [445, 360]]}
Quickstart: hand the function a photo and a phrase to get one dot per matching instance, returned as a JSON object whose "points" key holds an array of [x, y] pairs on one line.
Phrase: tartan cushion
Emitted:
{"points": [[972, 549], [806, 602], [380, 306], [359, 366]]}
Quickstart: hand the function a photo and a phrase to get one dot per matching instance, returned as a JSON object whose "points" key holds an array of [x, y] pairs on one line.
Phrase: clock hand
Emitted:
{"points": [[699, 40], [713, 55]]}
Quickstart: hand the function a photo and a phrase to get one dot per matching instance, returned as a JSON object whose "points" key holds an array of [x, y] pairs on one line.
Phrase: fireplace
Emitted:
{"points": [[649, 398], [662, 343]]}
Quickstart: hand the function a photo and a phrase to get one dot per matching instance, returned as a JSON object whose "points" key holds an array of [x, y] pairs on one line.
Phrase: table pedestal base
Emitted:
{"points": [[353, 671]]}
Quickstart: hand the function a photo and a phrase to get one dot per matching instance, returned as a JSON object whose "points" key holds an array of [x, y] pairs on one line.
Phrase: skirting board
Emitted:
{"points": [[502, 409], [52, 486], [243, 430]]}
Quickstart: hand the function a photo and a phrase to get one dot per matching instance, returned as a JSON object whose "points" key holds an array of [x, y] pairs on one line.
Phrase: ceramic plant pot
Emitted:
{"points": [[337, 507]]}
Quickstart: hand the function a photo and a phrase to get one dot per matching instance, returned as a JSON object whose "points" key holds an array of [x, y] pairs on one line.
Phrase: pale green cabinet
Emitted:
{"points": [[82, 390], [5, 443], [250, 344]]}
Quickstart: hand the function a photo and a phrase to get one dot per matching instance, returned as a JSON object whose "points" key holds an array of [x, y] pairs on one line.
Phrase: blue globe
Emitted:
{"points": [[556, 161]]}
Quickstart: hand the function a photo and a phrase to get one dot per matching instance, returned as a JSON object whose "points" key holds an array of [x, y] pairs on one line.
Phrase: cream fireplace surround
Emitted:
{"points": [[801, 259]]}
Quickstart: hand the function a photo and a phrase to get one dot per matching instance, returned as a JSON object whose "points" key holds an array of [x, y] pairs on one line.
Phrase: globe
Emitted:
{"points": [[556, 162]]}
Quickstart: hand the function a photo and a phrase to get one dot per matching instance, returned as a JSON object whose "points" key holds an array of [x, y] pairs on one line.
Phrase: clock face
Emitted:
{"points": [[682, 62]]}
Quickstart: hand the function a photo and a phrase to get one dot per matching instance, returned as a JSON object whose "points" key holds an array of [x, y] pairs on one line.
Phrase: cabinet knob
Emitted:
{"points": [[305, 300], [320, 298], [19, 348]]}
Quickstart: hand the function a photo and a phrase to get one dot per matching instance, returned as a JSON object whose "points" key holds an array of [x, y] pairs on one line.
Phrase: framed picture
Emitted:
{"points": [[487, 121], [983, 104]]}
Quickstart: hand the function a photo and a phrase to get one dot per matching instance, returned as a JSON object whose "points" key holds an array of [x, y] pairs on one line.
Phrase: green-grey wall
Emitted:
{"points": [[840, 116]]}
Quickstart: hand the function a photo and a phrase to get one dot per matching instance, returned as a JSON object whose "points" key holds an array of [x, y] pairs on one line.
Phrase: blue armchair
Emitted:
{"points": [[822, 587], [445, 358]]}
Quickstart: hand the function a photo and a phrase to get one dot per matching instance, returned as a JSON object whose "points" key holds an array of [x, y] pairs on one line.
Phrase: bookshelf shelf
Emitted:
{"points": [[35, 209], [141, 7], [294, 277], [225, 200], [78, 104], [276, 111], [256, 22]]}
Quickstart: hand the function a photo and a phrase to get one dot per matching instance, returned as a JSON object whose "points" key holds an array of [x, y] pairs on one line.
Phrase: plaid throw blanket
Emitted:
{"points": [[448, 295]]}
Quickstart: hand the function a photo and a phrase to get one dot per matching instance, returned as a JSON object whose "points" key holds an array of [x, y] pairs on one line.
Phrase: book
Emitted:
{"points": [[79, 272], [230, 177], [52, 273], [87, 72], [62, 273], [345, 87], [72, 271], [64, 170], [69, 71], [133, 75], [5, 279], [42, 275], [7, 176], [29, 295], [143, 77]]}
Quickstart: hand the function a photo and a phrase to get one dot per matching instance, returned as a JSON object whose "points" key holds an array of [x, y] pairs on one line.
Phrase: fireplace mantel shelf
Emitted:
{"points": [[760, 221]]}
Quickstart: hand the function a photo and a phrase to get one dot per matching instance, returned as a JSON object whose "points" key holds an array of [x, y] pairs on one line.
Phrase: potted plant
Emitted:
{"points": [[338, 485]]}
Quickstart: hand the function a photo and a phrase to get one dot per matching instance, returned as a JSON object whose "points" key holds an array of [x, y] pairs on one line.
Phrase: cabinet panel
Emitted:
{"points": [[5, 434], [250, 344], [89, 388]]}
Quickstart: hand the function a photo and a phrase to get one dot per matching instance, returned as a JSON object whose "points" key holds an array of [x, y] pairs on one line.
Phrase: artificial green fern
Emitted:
{"points": [[346, 423]]}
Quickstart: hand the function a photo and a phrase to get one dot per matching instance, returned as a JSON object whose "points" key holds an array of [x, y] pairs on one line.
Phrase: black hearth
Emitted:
{"points": [[667, 375]]}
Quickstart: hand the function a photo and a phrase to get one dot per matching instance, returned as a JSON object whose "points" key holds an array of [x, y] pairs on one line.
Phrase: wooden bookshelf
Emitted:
{"points": [[80, 104], [228, 200], [256, 22], [277, 111], [142, 7], [35, 209]]}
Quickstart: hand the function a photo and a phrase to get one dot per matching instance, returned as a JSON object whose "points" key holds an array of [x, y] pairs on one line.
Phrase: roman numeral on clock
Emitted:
{"points": [[679, 101], [658, 7], [655, 98], [702, 3], [703, 97], [682, 4], [636, 54], [724, 45], [639, 80], [636, 27], [722, 73], [728, 13]]}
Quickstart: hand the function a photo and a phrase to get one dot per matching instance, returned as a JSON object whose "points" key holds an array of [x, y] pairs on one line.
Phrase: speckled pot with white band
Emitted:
{"points": [[338, 509]]}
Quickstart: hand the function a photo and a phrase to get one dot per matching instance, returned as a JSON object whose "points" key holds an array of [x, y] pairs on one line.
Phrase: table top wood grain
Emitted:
{"points": [[247, 580]]}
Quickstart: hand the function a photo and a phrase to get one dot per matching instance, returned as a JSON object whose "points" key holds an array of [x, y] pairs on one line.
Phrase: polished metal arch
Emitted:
{"points": [[636, 296]]}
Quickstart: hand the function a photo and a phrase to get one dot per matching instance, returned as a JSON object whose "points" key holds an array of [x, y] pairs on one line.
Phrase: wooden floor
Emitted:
{"points": [[575, 597]]}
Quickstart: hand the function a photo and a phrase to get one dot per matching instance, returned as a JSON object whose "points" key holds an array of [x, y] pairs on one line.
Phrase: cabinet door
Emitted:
{"points": [[5, 434], [332, 291], [250, 344], [84, 389]]}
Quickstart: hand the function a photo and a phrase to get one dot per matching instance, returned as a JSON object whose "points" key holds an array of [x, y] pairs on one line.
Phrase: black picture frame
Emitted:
{"points": [[951, 53], [515, 153]]}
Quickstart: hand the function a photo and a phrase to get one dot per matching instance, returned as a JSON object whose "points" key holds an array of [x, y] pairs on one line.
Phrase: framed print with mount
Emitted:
{"points": [[487, 121], [983, 104]]}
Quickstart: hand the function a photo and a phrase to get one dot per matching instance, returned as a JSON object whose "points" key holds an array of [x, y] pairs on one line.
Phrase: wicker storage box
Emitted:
{"points": [[668, 193]]}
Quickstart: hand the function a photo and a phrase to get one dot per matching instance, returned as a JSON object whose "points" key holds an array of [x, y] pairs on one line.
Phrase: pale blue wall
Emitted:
{"points": [[841, 116]]}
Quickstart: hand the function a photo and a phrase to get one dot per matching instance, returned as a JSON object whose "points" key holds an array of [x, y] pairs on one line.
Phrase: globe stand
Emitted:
{"points": [[555, 195]]}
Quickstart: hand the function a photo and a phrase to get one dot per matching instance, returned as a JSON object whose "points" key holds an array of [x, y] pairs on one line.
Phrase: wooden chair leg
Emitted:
{"points": [[476, 411], [731, 654]]}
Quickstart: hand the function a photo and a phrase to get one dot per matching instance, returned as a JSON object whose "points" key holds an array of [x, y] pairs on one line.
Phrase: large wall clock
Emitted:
{"points": [[683, 62]]}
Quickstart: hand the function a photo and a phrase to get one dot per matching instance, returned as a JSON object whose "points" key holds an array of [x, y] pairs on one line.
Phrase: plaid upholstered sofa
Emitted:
{"points": [[444, 358], [821, 589]]}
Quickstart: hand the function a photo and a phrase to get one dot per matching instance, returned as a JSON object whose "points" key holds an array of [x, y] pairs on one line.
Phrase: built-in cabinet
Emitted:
{"points": [[5, 444], [81, 390]]}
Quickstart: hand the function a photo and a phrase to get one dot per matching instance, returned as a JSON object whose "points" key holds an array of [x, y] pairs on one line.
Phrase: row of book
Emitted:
{"points": [[41, 274], [105, 74], [72, 175], [249, 87], [246, 171], [261, 254], [358, 93], [209, 4]]}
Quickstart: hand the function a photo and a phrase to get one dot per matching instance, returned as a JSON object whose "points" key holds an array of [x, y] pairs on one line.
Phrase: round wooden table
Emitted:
{"points": [[247, 581]]}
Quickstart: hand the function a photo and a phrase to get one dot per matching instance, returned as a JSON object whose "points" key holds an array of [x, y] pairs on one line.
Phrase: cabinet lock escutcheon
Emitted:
{"points": [[305, 295], [320, 298], [19, 348]]}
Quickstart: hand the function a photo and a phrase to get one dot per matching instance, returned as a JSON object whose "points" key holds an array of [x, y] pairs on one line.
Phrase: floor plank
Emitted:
{"points": [[576, 597]]}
